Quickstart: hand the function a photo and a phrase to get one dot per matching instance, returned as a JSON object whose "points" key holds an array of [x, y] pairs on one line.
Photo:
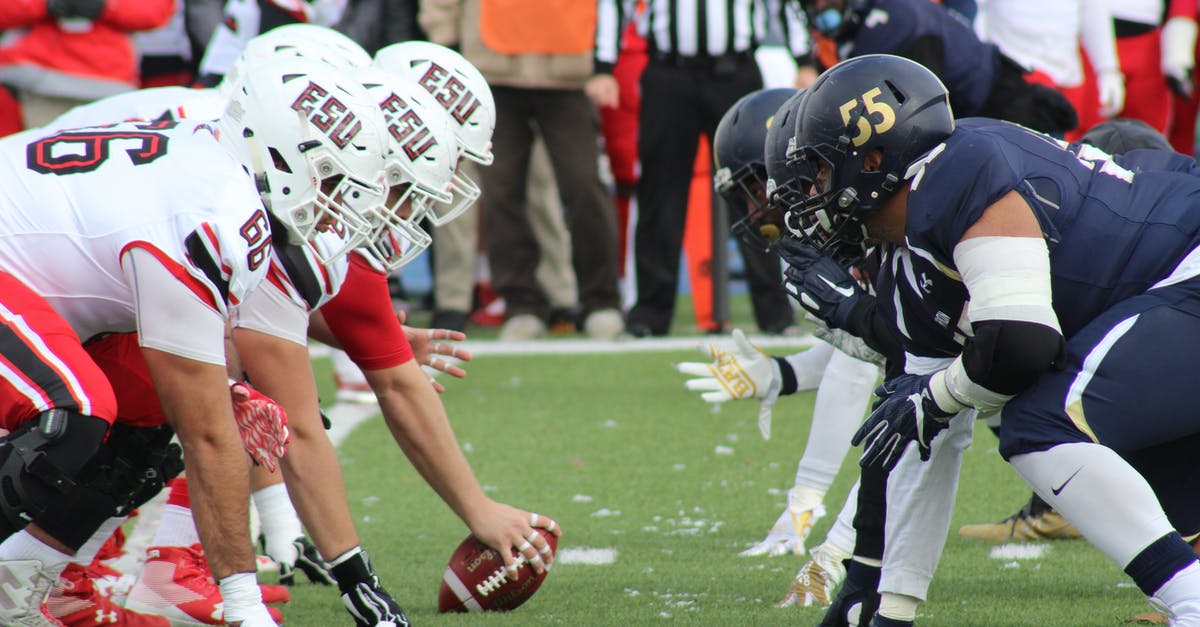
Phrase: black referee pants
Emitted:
{"points": [[678, 105]]}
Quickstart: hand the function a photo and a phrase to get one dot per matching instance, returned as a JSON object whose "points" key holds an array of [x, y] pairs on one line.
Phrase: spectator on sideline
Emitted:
{"points": [[61, 53]]}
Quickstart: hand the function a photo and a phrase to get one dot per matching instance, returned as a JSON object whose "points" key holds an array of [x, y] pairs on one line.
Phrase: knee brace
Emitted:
{"points": [[129, 469], [40, 462]]}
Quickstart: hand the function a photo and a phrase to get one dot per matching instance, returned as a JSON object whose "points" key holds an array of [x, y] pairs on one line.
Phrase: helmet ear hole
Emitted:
{"points": [[277, 159]]}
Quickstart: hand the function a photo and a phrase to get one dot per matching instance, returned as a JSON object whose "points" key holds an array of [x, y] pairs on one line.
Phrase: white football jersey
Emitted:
{"points": [[157, 103], [75, 201]]}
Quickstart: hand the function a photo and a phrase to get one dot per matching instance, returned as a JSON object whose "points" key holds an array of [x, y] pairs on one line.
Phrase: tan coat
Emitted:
{"points": [[456, 22]]}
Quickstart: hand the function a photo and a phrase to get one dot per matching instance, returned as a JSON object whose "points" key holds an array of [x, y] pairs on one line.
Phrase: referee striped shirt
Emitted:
{"points": [[700, 28]]}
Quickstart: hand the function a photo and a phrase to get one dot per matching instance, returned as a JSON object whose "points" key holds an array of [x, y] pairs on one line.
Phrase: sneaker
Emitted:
{"points": [[604, 324], [76, 602], [309, 562], [176, 583], [1035, 521], [356, 392], [788, 534], [816, 580], [24, 588], [523, 327]]}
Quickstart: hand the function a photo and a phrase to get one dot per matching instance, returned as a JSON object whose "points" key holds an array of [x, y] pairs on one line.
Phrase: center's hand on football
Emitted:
{"points": [[906, 412], [507, 529], [741, 373]]}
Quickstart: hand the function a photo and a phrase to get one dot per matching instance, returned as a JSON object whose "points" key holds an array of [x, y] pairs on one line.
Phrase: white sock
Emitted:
{"points": [[280, 523], [1181, 595], [23, 546], [176, 527], [842, 398], [1098, 492], [346, 369], [88, 551], [898, 606]]}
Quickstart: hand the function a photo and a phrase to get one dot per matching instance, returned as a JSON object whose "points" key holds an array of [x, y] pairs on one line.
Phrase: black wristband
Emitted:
{"points": [[787, 376]]}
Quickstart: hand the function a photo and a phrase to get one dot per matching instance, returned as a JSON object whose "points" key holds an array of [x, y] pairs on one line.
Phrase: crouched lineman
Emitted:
{"points": [[105, 234]]}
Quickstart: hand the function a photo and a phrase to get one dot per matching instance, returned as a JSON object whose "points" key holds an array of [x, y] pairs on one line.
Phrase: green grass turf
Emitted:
{"points": [[625, 458]]}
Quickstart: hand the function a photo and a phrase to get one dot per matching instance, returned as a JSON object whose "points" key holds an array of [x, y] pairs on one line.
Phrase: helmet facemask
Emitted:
{"points": [[745, 191]]}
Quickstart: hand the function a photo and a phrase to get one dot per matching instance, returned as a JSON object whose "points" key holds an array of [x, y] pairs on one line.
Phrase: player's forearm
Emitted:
{"points": [[418, 422], [195, 399]]}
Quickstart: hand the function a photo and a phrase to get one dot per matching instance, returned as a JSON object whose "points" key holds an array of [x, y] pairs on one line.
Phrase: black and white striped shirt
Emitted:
{"points": [[700, 28]]}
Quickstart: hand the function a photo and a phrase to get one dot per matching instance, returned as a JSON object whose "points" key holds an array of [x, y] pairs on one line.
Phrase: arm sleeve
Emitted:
{"points": [[172, 316], [269, 310], [362, 319], [1096, 34], [610, 21], [794, 27], [875, 330]]}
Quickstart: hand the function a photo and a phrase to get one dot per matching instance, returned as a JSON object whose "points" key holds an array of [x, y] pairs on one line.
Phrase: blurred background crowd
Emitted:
{"points": [[598, 209]]}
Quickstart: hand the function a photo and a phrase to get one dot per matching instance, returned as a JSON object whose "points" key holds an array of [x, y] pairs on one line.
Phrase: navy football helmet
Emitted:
{"points": [[871, 104], [740, 176], [786, 185], [837, 22]]}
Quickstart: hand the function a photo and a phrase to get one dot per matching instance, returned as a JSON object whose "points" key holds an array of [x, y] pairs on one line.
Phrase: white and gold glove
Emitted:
{"points": [[741, 373]]}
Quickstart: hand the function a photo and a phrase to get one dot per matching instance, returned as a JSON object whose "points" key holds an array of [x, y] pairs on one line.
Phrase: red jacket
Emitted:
{"points": [[82, 60]]}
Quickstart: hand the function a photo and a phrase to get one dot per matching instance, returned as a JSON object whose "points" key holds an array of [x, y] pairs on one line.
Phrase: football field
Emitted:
{"points": [[657, 492]]}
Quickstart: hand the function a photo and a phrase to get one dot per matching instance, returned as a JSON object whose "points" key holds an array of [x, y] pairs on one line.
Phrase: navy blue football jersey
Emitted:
{"points": [[926, 306], [1112, 233], [969, 66]]}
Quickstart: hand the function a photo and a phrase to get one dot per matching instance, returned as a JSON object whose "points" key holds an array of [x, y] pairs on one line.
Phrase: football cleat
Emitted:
{"points": [[110, 582], [857, 600], [24, 588], [816, 581], [363, 595], [76, 602], [1035, 521], [309, 561], [788, 534], [176, 583]]}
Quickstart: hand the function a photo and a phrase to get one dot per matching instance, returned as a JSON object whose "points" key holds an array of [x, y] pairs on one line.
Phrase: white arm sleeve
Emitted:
{"points": [[268, 310], [170, 316], [1008, 278], [1096, 33]]}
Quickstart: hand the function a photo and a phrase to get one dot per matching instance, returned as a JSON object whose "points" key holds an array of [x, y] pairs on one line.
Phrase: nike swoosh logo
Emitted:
{"points": [[844, 291], [1060, 488]]}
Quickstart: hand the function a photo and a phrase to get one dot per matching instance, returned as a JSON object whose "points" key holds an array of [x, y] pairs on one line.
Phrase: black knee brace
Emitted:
{"points": [[128, 470], [40, 462]]}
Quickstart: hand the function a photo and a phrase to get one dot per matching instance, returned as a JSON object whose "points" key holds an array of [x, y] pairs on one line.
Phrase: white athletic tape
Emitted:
{"points": [[533, 520]]}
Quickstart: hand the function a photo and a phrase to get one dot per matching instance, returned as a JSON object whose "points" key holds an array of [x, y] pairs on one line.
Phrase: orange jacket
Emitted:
{"points": [[75, 60]]}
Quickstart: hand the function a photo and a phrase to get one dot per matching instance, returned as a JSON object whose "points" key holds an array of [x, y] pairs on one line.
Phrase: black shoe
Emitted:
{"points": [[363, 595], [641, 323], [564, 320], [309, 561], [452, 319], [857, 600]]}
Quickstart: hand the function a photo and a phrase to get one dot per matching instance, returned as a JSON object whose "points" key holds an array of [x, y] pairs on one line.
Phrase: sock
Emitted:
{"points": [[280, 523], [88, 551], [898, 606], [1179, 594], [1100, 493], [842, 398], [176, 527], [23, 546]]}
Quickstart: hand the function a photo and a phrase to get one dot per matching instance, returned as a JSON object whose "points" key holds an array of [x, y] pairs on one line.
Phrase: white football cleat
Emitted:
{"points": [[24, 587], [788, 534], [817, 579]]}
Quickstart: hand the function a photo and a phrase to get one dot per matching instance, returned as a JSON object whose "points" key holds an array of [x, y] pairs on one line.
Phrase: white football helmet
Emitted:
{"points": [[464, 93], [301, 40], [316, 145], [420, 165]]}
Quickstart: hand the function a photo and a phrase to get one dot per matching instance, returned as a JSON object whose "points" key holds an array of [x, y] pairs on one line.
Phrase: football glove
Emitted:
{"points": [[788, 534], [1110, 86], [824, 287], [262, 423], [857, 600], [744, 372], [906, 412], [1178, 54]]}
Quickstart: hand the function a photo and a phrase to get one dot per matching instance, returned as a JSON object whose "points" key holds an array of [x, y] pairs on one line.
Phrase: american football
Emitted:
{"points": [[475, 579]]}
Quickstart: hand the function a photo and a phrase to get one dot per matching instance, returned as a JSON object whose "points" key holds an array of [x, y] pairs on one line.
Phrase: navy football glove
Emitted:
{"points": [[820, 284], [906, 412]]}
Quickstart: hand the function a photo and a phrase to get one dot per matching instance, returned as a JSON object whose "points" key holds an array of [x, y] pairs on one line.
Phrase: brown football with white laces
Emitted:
{"points": [[475, 579]]}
